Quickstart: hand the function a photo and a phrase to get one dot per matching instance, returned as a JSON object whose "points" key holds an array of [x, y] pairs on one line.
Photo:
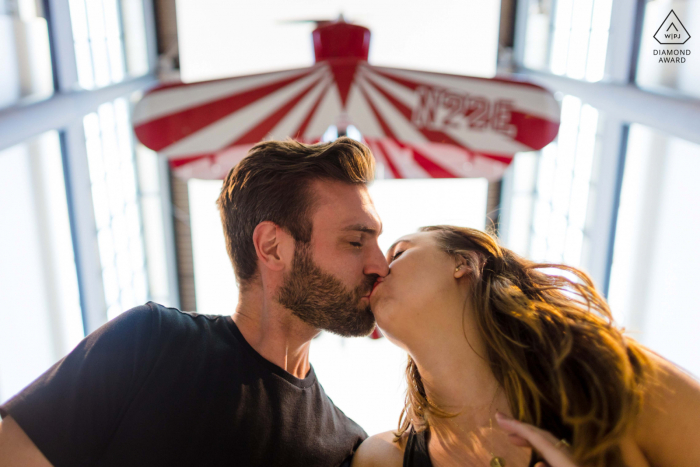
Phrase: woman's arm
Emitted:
{"points": [[379, 451], [668, 431]]}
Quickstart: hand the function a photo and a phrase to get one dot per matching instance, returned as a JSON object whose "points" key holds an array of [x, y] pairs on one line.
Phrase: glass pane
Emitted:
{"points": [[568, 37], [25, 57], [114, 40], [565, 185], [665, 60], [654, 271], [135, 37], [116, 202], [40, 310]]}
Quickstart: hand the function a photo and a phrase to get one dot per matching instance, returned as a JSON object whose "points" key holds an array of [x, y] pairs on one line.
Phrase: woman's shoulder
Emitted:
{"points": [[380, 450], [667, 426]]}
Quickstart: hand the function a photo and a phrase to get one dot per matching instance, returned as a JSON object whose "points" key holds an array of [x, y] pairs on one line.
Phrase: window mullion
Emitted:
{"points": [[62, 48], [82, 214]]}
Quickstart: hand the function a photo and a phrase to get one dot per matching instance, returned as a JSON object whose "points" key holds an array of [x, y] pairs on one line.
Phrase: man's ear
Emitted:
{"points": [[272, 246]]}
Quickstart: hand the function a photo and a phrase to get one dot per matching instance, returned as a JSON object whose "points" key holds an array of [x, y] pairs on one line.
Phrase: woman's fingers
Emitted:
{"points": [[542, 441], [518, 441]]}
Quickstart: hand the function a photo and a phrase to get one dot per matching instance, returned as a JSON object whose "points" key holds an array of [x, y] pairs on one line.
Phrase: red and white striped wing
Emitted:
{"points": [[418, 124]]}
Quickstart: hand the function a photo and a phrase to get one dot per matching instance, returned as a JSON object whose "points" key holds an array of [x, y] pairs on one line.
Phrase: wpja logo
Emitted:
{"points": [[672, 32]]}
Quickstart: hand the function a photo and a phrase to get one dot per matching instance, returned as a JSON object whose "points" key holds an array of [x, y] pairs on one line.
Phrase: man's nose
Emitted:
{"points": [[376, 263]]}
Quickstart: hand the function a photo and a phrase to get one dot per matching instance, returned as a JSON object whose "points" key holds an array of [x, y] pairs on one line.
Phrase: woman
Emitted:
{"points": [[504, 358]]}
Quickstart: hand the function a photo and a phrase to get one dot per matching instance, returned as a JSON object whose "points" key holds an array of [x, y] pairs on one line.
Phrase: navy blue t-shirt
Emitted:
{"points": [[158, 386]]}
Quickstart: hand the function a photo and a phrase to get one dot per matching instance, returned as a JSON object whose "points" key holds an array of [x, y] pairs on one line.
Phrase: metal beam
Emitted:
{"points": [[673, 115], [60, 111]]}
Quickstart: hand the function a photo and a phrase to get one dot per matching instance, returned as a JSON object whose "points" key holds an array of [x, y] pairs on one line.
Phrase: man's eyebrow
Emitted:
{"points": [[363, 228]]}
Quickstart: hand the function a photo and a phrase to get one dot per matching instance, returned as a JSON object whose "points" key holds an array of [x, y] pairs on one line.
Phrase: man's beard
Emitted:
{"points": [[321, 300]]}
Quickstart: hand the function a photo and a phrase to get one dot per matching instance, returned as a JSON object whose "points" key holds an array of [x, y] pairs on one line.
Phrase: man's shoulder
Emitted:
{"points": [[177, 320], [159, 324]]}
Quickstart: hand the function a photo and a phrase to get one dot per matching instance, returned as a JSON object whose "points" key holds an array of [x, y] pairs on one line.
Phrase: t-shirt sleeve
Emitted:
{"points": [[71, 411]]}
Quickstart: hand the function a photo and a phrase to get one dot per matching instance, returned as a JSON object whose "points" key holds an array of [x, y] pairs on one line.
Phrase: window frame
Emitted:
{"points": [[64, 112], [624, 104]]}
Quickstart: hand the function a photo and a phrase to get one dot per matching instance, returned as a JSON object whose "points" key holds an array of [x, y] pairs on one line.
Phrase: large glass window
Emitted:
{"points": [[555, 185], [110, 40], [667, 64], [653, 287], [25, 57], [568, 37], [115, 197], [40, 313]]}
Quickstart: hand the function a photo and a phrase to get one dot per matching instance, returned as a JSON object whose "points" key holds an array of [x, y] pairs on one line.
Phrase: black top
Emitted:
{"points": [[160, 387], [416, 452]]}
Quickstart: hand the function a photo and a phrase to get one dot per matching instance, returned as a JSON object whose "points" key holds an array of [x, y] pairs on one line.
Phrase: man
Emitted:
{"points": [[157, 386]]}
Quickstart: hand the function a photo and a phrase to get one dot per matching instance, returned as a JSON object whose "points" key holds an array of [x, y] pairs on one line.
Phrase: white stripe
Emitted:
{"points": [[383, 170], [326, 114], [406, 96], [220, 133], [362, 116], [402, 128], [168, 101], [290, 123], [486, 141], [460, 162], [403, 160]]}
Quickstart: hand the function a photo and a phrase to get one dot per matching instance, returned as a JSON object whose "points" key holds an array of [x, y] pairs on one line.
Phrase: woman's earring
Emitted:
{"points": [[458, 268]]}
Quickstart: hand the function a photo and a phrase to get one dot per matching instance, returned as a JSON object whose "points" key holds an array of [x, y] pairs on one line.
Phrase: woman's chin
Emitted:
{"points": [[382, 314]]}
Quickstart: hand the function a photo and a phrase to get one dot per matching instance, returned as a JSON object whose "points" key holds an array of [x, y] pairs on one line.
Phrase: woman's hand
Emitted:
{"points": [[554, 451]]}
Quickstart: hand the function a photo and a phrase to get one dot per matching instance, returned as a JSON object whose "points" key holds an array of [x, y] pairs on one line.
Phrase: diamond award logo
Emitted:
{"points": [[672, 31]]}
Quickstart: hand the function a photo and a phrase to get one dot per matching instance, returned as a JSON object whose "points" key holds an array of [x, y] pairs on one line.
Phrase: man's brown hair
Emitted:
{"points": [[273, 183]]}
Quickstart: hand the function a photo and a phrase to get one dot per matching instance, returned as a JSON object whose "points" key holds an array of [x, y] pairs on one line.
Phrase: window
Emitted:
{"points": [[655, 71], [568, 37], [40, 312], [110, 41], [654, 270], [555, 185], [25, 57], [115, 195]]}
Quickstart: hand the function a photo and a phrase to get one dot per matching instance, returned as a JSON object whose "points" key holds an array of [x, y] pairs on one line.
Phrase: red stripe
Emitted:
{"points": [[385, 126], [392, 168], [533, 131], [305, 123], [162, 132], [414, 84], [258, 132], [174, 163], [435, 170]]}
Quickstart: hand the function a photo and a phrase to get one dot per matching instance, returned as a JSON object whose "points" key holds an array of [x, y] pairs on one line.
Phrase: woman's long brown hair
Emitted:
{"points": [[552, 346]]}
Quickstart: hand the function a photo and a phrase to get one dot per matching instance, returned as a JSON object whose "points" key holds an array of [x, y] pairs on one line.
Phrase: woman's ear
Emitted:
{"points": [[461, 268]]}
